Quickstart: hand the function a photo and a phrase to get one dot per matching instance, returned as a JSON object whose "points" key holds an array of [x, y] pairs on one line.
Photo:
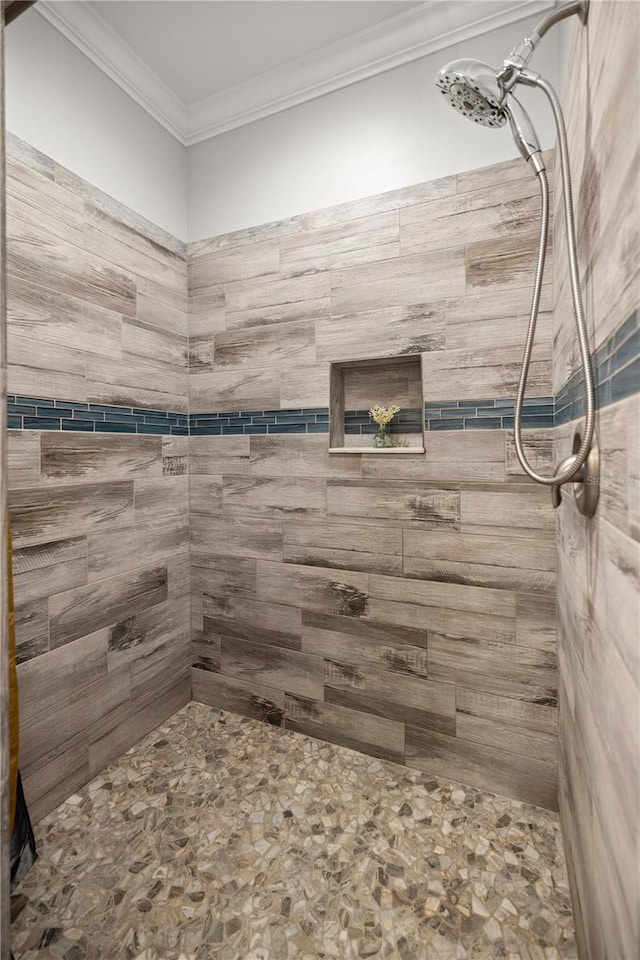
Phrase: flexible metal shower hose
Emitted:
{"points": [[576, 462]]}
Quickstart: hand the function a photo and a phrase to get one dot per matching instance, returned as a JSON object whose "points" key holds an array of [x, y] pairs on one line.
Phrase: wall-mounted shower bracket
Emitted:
{"points": [[586, 482], [519, 57]]}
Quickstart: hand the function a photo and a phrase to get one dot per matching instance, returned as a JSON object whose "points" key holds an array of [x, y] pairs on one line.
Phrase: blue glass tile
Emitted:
{"points": [[73, 404], [125, 418], [627, 328], [245, 413], [263, 420], [11, 398], [449, 424], [14, 423], [41, 423], [627, 351], [440, 403], [150, 417], [111, 408], [537, 401], [113, 426], [448, 412], [464, 404], [286, 428], [505, 403], [142, 411], [290, 418], [205, 431], [484, 423], [154, 428], [352, 428], [208, 422], [433, 414], [316, 410], [626, 382], [231, 431], [322, 418], [35, 401], [78, 425], [87, 415], [369, 428], [318, 428], [254, 429], [179, 431], [603, 393], [22, 408], [490, 411]]}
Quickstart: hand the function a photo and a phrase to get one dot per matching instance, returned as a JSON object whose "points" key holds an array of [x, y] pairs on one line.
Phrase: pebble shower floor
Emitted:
{"points": [[221, 837]]}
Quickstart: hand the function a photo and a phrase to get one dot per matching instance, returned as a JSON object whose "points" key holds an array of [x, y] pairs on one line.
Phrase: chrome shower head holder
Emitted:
{"points": [[486, 97]]}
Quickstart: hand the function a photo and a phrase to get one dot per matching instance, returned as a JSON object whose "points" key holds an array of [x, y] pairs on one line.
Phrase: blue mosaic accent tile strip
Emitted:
{"points": [[409, 420], [616, 371], [616, 367], [38, 413], [488, 414], [256, 422]]}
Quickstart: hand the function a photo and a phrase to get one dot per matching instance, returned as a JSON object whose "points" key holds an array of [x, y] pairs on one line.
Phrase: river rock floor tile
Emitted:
{"points": [[221, 837]]}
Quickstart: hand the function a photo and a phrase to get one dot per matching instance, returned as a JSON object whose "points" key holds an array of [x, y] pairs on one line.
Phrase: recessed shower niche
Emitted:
{"points": [[359, 385]]}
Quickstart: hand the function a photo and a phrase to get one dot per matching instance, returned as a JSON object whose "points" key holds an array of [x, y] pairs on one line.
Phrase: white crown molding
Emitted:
{"points": [[433, 26], [93, 36]]}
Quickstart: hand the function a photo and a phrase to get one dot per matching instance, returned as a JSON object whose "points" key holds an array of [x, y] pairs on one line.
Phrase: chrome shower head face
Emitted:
{"points": [[471, 87]]}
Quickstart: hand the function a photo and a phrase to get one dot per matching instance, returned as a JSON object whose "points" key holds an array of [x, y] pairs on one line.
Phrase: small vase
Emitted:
{"points": [[382, 438]]}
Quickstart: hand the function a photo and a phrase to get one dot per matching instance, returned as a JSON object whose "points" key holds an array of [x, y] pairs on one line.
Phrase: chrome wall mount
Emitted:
{"points": [[585, 482], [485, 96]]}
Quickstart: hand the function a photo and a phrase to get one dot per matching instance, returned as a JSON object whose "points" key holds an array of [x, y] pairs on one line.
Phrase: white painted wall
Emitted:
{"points": [[380, 134], [63, 105]]}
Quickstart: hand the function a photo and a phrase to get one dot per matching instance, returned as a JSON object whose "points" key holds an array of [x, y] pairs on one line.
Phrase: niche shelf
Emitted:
{"points": [[356, 385]]}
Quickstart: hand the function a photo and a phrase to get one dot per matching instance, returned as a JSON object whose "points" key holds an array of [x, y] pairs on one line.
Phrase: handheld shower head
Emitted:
{"points": [[471, 87]]}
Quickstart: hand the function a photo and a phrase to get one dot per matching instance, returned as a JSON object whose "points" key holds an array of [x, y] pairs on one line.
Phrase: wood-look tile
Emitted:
{"points": [[54, 513], [486, 767], [508, 711], [493, 372], [101, 241], [239, 696], [23, 458], [398, 696], [393, 501], [81, 611], [489, 213], [513, 739], [485, 320], [133, 232], [386, 645], [160, 346], [153, 542], [56, 677], [505, 669], [536, 621], [274, 498], [222, 576], [501, 263], [205, 494], [50, 316], [137, 382], [37, 368], [175, 456], [481, 575], [377, 736], [286, 670], [381, 331], [234, 389], [162, 497], [452, 595], [349, 243], [478, 549], [444, 620], [233, 537], [242, 618], [138, 636], [314, 588], [48, 568], [526, 511], [305, 385], [270, 345], [218, 455], [252, 303], [68, 456], [255, 261], [402, 281], [299, 455], [164, 316], [32, 629], [38, 201], [346, 546]]}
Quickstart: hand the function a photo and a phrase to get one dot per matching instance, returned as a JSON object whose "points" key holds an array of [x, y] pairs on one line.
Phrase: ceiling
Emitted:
{"points": [[202, 67], [199, 48]]}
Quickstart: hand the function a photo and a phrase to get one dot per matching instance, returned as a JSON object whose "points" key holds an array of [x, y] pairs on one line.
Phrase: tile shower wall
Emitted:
{"points": [[97, 346], [599, 559], [404, 606]]}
